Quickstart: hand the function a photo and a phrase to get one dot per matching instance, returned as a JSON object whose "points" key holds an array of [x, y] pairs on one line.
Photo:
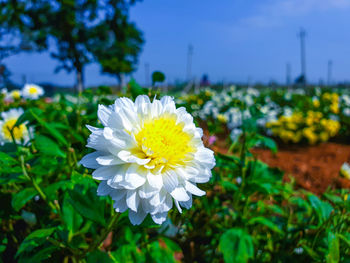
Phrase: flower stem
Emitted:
{"points": [[104, 234], [36, 186]]}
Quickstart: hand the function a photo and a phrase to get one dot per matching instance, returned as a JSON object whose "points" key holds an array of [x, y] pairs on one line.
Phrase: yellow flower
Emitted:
{"points": [[222, 118], [324, 136], [316, 103], [8, 132], [310, 135], [335, 107]]}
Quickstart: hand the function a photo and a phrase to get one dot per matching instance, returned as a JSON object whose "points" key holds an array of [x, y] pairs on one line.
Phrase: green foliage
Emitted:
{"points": [[236, 245], [50, 212], [157, 76]]}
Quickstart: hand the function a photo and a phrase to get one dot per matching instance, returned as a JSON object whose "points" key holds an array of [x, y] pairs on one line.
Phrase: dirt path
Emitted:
{"points": [[315, 168]]}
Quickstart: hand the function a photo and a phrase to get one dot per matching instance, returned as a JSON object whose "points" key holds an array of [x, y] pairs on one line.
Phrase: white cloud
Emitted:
{"points": [[272, 13]]}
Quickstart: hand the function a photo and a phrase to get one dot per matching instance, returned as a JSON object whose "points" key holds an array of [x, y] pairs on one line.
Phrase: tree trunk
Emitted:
{"points": [[80, 81], [121, 80]]}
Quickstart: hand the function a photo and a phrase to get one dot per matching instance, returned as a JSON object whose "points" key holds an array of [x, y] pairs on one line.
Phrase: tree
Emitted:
{"points": [[81, 30], [64, 22], [157, 76], [68, 23], [117, 42]]}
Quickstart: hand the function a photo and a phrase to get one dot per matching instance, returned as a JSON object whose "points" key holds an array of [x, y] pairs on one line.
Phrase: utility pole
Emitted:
{"points": [[288, 74], [147, 75], [329, 72], [302, 35], [189, 62]]}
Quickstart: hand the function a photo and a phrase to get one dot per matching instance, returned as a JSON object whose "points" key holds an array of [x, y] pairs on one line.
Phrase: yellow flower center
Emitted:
{"points": [[164, 142], [16, 94], [33, 90], [17, 132]]}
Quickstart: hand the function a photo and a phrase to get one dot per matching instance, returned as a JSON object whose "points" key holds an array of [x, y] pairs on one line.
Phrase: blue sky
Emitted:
{"points": [[233, 40]]}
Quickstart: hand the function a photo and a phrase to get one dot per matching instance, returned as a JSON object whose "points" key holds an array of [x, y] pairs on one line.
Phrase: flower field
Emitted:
{"points": [[152, 177]]}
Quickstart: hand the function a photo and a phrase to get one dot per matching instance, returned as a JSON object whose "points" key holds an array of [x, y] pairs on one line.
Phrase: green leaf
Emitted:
{"points": [[88, 205], [50, 129], [333, 248], [21, 198], [48, 147], [236, 245], [98, 256], [161, 253], [266, 222], [35, 239], [28, 116], [127, 254], [40, 255], [323, 209], [7, 159], [70, 217]]}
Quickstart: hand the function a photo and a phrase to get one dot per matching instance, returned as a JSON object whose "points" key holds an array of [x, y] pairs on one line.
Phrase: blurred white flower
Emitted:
{"points": [[345, 99], [7, 130], [346, 112], [32, 91], [13, 95], [345, 170], [235, 133], [148, 155], [3, 91]]}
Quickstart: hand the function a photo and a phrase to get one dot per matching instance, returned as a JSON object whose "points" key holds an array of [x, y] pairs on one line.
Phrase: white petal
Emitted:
{"points": [[118, 194], [157, 199], [178, 206], [187, 204], [157, 108], [147, 191], [180, 194], [103, 189], [155, 180], [121, 103], [206, 156], [103, 114], [89, 160], [128, 157], [106, 172], [120, 205], [132, 200], [170, 181], [134, 177], [159, 218], [193, 189], [137, 218], [109, 160]]}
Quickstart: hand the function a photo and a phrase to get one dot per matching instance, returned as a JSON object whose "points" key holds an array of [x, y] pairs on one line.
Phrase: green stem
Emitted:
{"points": [[36, 186], [104, 234]]}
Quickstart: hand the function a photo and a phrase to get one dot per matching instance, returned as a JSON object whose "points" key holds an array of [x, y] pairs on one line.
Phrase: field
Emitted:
{"points": [[279, 191]]}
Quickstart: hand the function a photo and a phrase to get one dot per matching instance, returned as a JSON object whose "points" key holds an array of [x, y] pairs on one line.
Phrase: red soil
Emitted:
{"points": [[315, 168]]}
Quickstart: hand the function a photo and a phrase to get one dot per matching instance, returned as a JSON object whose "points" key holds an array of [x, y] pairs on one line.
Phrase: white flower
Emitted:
{"points": [[3, 91], [345, 170], [20, 134], [32, 91], [346, 112], [235, 134], [13, 95], [148, 155]]}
